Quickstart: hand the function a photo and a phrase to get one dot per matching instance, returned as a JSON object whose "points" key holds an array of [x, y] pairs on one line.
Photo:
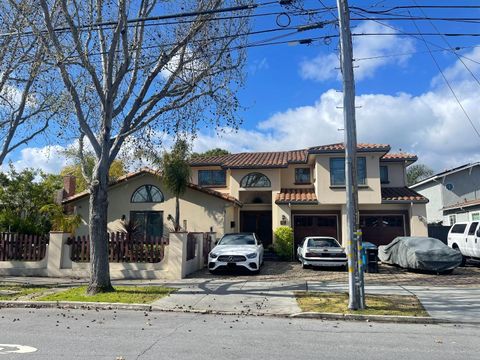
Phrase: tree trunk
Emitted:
{"points": [[177, 213], [99, 265]]}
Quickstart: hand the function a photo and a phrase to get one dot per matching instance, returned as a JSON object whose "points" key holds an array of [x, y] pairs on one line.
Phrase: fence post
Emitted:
{"points": [[176, 254], [56, 253]]}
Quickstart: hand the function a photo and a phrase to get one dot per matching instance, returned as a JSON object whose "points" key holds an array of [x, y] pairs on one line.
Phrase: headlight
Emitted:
{"points": [[213, 256], [252, 255]]}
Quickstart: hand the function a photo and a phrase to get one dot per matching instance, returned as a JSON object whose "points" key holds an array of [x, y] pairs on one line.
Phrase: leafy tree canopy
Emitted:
{"points": [[211, 152], [22, 195], [418, 172], [117, 169]]}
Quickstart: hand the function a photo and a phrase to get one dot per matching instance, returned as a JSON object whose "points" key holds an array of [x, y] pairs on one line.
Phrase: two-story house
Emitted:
{"points": [[454, 195], [304, 189]]}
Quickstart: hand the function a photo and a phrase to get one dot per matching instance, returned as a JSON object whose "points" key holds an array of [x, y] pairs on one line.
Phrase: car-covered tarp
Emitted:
{"points": [[421, 253]]}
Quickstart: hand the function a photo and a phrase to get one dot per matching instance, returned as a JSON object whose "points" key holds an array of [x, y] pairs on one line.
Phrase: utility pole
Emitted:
{"points": [[355, 270]]}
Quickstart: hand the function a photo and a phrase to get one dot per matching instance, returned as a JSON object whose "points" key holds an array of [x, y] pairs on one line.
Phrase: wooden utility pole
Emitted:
{"points": [[355, 271]]}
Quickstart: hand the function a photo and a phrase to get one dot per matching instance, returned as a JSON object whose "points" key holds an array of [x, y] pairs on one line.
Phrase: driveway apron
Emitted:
{"points": [[246, 297]]}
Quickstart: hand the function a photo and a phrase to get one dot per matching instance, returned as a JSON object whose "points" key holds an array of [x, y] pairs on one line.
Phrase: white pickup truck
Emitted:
{"points": [[465, 237]]}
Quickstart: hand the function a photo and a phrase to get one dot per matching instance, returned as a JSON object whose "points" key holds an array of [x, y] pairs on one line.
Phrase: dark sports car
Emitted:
{"points": [[420, 253]]}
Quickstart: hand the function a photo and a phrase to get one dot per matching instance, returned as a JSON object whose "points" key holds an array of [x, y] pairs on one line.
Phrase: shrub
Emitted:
{"points": [[284, 242]]}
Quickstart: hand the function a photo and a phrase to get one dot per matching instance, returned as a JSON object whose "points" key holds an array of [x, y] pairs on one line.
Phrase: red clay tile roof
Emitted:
{"points": [[401, 194], [464, 204], [400, 156], [278, 158], [340, 147], [254, 159], [297, 196], [129, 176]]}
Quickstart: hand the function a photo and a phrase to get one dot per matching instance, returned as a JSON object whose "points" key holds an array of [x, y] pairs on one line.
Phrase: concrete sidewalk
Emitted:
{"points": [[277, 297]]}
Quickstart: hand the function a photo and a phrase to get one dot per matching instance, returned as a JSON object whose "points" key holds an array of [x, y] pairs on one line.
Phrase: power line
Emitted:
{"points": [[448, 83], [400, 7], [448, 44]]}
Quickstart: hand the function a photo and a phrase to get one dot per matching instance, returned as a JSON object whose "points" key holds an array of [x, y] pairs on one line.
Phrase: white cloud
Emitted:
{"points": [[48, 158], [431, 124], [324, 67]]}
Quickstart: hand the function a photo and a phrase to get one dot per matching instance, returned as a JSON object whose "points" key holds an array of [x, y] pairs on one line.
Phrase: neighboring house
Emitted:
{"points": [[454, 195], [261, 191]]}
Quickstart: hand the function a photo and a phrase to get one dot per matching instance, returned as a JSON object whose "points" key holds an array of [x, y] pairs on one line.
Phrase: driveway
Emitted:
{"points": [[468, 276]]}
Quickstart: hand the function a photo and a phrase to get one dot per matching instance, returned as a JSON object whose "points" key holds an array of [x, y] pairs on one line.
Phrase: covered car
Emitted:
{"points": [[420, 253]]}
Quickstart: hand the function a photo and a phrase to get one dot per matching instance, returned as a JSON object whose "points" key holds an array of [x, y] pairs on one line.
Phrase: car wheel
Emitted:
{"points": [[213, 272], [305, 266]]}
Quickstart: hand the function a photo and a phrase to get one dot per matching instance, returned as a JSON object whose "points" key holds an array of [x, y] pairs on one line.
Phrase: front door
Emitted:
{"points": [[259, 222]]}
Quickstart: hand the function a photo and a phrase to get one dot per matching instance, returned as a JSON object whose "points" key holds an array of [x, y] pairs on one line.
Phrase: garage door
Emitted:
{"points": [[382, 229], [314, 225]]}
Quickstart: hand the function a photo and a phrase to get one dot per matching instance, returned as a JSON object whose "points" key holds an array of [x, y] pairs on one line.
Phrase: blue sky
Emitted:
{"points": [[291, 94]]}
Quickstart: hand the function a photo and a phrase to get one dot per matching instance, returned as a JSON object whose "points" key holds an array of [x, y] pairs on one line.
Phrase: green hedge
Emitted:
{"points": [[284, 242]]}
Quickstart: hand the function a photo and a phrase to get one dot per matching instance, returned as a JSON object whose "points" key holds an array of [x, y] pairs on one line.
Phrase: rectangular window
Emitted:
{"points": [[472, 228], [458, 229], [475, 216], [212, 177], [453, 219], [302, 176], [148, 223], [337, 171], [384, 174]]}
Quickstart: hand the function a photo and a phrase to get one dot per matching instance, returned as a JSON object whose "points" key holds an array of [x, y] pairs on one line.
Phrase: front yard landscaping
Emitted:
{"points": [[123, 294], [325, 302]]}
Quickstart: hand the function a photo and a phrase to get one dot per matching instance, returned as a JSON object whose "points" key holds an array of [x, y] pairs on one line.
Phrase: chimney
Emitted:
{"points": [[69, 185]]}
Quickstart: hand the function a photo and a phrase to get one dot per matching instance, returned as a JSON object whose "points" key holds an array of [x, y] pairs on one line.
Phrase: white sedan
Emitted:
{"points": [[321, 251], [237, 250]]}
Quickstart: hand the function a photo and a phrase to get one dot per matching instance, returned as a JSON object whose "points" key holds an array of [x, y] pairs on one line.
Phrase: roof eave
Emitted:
{"points": [[296, 202], [404, 201]]}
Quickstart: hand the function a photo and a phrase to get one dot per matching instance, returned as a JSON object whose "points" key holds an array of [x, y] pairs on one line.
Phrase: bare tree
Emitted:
{"points": [[28, 101], [132, 74]]}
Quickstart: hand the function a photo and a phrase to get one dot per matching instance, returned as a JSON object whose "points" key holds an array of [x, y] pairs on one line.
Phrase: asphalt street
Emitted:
{"points": [[89, 334]]}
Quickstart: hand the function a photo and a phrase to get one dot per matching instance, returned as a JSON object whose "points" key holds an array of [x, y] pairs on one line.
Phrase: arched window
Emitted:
{"points": [[255, 180], [147, 194]]}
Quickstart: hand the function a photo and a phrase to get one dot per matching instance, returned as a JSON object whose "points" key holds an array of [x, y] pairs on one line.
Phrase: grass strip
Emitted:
{"points": [[12, 292], [325, 302], [122, 294]]}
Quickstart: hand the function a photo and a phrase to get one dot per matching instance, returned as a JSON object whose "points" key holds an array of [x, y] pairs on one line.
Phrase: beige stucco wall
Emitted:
{"points": [[396, 173], [287, 176], [200, 210], [368, 194]]}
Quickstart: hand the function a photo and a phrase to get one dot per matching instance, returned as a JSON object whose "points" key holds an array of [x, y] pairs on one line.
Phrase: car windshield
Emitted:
{"points": [[237, 239], [322, 242]]}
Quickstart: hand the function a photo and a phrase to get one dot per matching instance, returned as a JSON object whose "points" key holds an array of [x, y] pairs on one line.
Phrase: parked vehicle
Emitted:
{"points": [[237, 250], [465, 237], [321, 251], [420, 253]]}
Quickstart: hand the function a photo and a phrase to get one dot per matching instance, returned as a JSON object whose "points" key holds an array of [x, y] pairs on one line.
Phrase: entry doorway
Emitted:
{"points": [[259, 222]]}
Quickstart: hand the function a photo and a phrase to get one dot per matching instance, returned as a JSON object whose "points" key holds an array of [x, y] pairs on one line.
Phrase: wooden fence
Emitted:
{"points": [[21, 247], [122, 248]]}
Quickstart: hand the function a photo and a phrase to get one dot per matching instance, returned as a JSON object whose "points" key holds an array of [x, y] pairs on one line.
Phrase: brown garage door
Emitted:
{"points": [[382, 229], [314, 225]]}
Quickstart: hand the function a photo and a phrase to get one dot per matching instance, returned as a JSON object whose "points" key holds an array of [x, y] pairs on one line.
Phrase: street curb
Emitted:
{"points": [[149, 308], [375, 318], [74, 305]]}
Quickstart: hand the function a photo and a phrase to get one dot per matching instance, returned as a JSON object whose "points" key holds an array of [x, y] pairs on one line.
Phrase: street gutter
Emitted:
{"points": [[149, 308]]}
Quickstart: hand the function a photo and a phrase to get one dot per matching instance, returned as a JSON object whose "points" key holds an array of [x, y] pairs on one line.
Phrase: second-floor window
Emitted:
{"points": [[337, 171], [302, 176], [255, 180], [384, 174], [212, 177]]}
